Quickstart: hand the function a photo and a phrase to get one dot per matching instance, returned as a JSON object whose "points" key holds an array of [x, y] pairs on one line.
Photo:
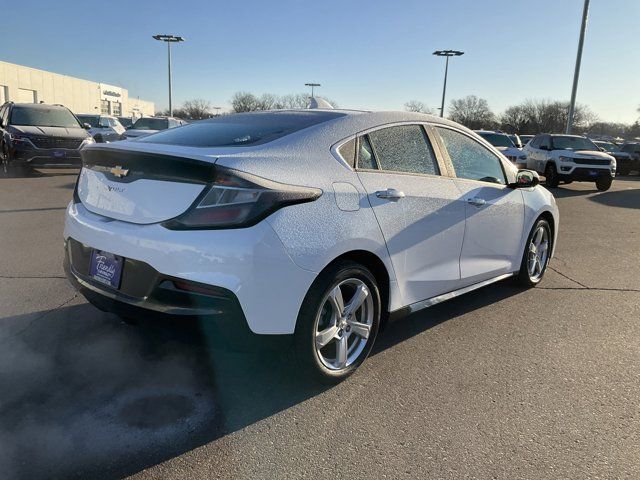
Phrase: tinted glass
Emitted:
{"points": [[497, 139], [609, 147], [561, 142], [404, 149], [348, 152], [90, 119], [545, 141], [151, 124], [365, 155], [241, 129], [470, 159], [43, 117], [630, 147]]}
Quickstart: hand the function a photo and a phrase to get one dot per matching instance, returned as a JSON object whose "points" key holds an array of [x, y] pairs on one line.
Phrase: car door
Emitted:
{"points": [[494, 211], [417, 208]]}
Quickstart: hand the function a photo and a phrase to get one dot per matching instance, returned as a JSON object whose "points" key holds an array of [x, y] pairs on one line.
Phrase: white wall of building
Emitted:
{"points": [[26, 84]]}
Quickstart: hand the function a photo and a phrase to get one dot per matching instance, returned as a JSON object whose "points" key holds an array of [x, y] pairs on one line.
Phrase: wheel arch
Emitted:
{"points": [[377, 267]]}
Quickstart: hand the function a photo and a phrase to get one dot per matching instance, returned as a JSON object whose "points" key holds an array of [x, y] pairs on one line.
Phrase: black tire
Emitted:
{"points": [[315, 300], [551, 175], [523, 277], [10, 169], [604, 183]]}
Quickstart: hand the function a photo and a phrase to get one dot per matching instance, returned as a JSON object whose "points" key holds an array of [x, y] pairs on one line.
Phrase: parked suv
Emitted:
{"points": [[148, 125], [625, 161], [103, 128], [40, 135], [309, 227], [569, 158], [504, 143], [633, 149]]}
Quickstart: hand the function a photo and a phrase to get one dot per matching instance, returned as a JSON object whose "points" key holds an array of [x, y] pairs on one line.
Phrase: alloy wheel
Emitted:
{"points": [[538, 253], [343, 324]]}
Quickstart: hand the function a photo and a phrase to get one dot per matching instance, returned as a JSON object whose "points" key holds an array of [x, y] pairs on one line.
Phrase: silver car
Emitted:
{"points": [[103, 128]]}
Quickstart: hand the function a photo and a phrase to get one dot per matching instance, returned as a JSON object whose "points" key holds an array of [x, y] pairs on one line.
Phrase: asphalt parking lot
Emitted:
{"points": [[501, 383]]}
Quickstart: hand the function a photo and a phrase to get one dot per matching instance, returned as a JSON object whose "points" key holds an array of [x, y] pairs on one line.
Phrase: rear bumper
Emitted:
{"points": [[250, 265]]}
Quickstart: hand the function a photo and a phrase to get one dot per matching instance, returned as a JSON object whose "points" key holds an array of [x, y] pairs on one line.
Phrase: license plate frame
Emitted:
{"points": [[106, 268]]}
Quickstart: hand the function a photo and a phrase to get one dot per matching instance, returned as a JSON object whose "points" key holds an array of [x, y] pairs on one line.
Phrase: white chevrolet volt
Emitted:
{"points": [[315, 226]]}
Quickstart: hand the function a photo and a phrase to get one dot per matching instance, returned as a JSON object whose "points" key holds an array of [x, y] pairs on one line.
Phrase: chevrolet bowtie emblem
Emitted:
{"points": [[119, 172]]}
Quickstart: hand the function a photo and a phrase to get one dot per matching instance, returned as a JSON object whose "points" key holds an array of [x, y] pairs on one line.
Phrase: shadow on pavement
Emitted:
{"points": [[619, 198], [85, 395]]}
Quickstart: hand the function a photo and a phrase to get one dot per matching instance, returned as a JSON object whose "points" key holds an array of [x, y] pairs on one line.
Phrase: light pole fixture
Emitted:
{"points": [[576, 72], [312, 85], [217, 109], [446, 53], [169, 39]]}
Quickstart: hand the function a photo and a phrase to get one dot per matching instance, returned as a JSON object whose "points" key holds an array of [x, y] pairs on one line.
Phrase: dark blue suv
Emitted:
{"points": [[40, 136]]}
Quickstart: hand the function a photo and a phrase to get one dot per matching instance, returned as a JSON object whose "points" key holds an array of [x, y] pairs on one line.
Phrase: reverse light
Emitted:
{"points": [[238, 200]]}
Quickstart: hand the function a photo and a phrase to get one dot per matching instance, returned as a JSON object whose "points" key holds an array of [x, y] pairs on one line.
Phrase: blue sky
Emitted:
{"points": [[367, 54]]}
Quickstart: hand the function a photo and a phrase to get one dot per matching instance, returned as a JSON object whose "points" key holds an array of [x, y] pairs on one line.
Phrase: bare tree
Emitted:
{"points": [[540, 116], [197, 109], [244, 102], [472, 112], [417, 106]]}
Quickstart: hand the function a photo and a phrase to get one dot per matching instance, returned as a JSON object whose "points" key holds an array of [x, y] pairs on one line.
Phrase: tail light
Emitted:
{"points": [[237, 200]]}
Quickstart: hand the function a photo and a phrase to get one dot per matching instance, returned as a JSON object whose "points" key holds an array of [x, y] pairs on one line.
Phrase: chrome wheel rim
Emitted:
{"points": [[538, 253], [343, 324]]}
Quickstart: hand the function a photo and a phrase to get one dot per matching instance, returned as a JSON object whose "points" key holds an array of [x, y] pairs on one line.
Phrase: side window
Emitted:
{"points": [[404, 148], [546, 142], [365, 155], [470, 159], [348, 152], [535, 142]]}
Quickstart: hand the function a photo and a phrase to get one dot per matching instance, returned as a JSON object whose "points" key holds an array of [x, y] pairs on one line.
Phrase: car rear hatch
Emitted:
{"points": [[141, 187]]}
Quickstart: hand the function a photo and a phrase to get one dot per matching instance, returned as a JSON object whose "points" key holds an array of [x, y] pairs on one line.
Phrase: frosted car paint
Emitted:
{"points": [[271, 265]]}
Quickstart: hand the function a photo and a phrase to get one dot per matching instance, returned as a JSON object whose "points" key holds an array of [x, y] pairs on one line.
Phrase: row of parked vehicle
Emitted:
{"points": [[45, 136], [568, 158]]}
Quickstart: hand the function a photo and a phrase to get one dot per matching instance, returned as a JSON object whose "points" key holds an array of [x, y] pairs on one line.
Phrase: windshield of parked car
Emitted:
{"points": [[92, 120], [151, 124], [561, 142], [241, 129], [43, 117], [497, 139], [609, 147]]}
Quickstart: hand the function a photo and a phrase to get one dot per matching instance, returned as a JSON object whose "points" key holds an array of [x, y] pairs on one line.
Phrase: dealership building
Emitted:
{"points": [[29, 85]]}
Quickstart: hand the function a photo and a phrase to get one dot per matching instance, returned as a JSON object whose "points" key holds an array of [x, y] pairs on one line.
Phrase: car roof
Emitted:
{"points": [[495, 132], [39, 105]]}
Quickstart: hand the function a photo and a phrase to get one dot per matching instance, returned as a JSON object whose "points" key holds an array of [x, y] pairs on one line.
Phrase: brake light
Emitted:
{"points": [[237, 200]]}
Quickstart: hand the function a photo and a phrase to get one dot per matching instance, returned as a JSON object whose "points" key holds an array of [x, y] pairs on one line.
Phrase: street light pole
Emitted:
{"points": [[312, 85], [447, 54], [576, 73], [169, 39]]}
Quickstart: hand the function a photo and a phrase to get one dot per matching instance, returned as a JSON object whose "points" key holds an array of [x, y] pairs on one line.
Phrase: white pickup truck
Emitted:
{"points": [[568, 158]]}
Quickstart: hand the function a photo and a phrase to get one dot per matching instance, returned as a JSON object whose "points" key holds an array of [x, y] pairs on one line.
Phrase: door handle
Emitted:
{"points": [[390, 194], [476, 201]]}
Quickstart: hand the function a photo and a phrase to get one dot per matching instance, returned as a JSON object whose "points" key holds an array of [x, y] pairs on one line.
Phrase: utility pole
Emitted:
{"points": [[576, 73], [312, 85]]}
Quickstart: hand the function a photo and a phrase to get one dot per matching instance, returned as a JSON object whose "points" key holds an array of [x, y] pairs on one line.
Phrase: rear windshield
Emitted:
{"points": [[151, 124], [241, 129], [497, 139], [92, 120], [43, 117]]}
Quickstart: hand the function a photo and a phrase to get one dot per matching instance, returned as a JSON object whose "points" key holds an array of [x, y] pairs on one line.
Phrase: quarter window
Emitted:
{"points": [[470, 159], [365, 155], [348, 152], [404, 148]]}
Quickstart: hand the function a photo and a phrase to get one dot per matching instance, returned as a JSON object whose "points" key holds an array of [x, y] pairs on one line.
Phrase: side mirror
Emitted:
{"points": [[86, 126], [526, 179]]}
